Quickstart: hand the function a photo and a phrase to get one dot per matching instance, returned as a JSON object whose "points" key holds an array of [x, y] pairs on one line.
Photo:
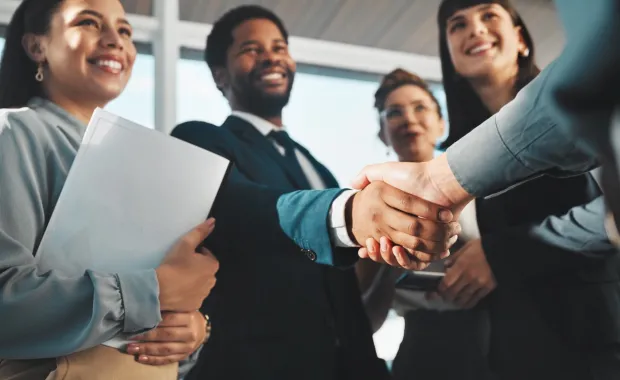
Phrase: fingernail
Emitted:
{"points": [[133, 349], [383, 244], [453, 239], [445, 254], [143, 358], [445, 216]]}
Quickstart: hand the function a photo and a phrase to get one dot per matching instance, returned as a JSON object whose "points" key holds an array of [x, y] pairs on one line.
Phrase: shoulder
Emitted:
{"points": [[207, 136], [23, 126]]}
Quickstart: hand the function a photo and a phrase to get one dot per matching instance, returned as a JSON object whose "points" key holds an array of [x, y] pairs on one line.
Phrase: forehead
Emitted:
{"points": [[407, 94], [470, 11], [260, 30], [109, 9]]}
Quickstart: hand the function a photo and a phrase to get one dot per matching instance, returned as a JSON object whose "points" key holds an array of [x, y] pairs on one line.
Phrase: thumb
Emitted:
{"points": [[401, 175], [200, 233]]}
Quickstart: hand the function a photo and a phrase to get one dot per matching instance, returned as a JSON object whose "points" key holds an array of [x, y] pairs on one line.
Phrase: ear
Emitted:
{"points": [[382, 135], [522, 44], [34, 46], [221, 78]]}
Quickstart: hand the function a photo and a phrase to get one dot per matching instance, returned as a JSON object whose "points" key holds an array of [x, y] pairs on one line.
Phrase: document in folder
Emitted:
{"points": [[131, 193]]}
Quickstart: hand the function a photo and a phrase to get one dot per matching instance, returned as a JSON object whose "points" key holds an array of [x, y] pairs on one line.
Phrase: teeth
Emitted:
{"points": [[272, 76], [114, 65], [480, 48]]}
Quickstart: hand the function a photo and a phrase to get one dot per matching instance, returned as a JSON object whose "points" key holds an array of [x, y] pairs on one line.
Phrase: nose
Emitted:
{"points": [[111, 38], [477, 28]]}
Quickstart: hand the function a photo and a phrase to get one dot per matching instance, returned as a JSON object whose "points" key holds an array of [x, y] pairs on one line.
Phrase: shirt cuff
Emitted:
{"points": [[140, 297], [337, 222]]}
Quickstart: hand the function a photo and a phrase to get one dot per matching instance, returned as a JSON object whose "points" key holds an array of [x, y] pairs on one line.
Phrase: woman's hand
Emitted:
{"points": [[174, 339]]}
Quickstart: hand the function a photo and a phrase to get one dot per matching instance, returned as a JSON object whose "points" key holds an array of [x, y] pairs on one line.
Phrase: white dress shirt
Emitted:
{"points": [[337, 223]]}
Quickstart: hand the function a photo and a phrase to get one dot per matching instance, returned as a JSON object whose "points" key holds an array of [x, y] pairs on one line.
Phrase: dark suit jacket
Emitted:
{"points": [[555, 313], [277, 314]]}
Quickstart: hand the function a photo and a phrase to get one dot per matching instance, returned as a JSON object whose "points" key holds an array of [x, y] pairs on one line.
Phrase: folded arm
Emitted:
{"points": [[47, 314]]}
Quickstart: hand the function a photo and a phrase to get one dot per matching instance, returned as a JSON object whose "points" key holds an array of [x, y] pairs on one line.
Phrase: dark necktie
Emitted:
{"points": [[285, 141]]}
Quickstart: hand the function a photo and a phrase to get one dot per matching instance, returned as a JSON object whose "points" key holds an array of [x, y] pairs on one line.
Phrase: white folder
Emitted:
{"points": [[131, 193]]}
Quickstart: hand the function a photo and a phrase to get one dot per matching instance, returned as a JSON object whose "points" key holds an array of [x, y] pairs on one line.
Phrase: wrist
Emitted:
{"points": [[445, 182], [348, 218]]}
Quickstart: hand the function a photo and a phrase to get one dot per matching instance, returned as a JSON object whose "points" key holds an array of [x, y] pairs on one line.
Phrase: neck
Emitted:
{"points": [[82, 110], [273, 119], [495, 92], [416, 157]]}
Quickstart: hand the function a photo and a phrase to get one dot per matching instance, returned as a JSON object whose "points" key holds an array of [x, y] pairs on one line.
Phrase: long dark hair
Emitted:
{"points": [[17, 71], [465, 109]]}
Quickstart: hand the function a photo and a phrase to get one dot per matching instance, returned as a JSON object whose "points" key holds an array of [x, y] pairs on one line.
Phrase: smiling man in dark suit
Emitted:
{"points": [[276, 313]]}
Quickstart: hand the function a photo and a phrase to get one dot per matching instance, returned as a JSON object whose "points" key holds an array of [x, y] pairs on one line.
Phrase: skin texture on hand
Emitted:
{"points": [[424, 229], [177, 336]]}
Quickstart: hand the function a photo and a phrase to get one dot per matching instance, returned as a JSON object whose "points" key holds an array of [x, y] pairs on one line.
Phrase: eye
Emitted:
{"points": [[88, 22], [251, 50], [488, 16], [126, 31], [280, 48], [420, 108], [393, 113], [456, 26]]}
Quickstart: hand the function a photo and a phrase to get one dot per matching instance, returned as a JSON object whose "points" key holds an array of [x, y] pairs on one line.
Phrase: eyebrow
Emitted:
{"points": [[254, 42], [460, 17], [91, 12]]}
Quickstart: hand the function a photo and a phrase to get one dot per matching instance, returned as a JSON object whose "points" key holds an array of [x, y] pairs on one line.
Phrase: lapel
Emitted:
{"points": [[328, 179], [262, 145]]}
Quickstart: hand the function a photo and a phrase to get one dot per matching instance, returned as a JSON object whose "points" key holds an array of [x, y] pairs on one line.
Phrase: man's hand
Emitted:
{"points": [[175, 338], [432, 180], [468, 276], [424, 229]]}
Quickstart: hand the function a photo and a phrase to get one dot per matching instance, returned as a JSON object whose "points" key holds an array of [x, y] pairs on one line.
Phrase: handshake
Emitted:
{"points": [[410, 208]]}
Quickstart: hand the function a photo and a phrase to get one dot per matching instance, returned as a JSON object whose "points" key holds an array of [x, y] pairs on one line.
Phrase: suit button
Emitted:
{"points": [[309, 254]]}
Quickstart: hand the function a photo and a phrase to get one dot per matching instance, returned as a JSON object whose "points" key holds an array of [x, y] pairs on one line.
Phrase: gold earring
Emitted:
{"points": [[39, 74]]}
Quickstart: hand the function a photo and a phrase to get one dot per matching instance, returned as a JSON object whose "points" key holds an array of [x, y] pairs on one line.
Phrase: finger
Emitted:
{"points": [[196, 236], [167, 334], [401, 256], [432, 296], [423, 250], [397, 174], [476, 297], [372, 245], [413, 205], [465, 296], [386, 252], [450, 293], [160, 360], [420, 227], [363, 253], [175, 319], [160, 349], [375, 255]]}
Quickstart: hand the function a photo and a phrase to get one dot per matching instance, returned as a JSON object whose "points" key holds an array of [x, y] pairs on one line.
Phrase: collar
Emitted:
{"points": [[55, 114], [262, 125]]}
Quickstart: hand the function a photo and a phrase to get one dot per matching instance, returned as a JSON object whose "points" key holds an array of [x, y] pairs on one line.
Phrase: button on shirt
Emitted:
{"points": [[338, 228]]}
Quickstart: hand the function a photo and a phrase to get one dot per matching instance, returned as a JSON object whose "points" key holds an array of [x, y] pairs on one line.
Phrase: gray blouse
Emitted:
{"points": [[46, 315]]}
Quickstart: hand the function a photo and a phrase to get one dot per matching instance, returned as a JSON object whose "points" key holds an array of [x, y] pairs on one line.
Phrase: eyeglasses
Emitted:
{"points": [[398, 113]]}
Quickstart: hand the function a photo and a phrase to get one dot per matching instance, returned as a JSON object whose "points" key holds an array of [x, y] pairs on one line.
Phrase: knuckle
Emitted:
{"points": [[404, 202]]}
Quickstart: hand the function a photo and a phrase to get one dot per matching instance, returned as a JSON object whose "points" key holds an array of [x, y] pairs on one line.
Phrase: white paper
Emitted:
{"points": [[131, 193]]}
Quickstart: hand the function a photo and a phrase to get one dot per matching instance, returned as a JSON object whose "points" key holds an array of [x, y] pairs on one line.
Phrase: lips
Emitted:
{"points": [[108, 64], [480, 48]]}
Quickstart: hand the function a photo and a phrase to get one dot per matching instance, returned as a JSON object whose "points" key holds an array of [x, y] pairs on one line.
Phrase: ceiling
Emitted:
{"points": [[400, 25]]}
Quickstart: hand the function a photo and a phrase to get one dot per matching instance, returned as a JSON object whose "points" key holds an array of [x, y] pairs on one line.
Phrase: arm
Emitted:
{"points": [[576, 239], [46, 314]]}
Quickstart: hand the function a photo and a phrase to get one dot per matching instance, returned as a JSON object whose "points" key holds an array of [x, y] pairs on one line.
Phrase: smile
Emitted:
{"points": [[108, 65]]}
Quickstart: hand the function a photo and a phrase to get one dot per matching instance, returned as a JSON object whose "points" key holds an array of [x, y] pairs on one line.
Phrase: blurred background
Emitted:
{"points": [[342, 48]]}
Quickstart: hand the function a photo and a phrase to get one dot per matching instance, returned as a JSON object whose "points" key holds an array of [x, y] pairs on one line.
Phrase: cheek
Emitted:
{"points": [[456, 55]]}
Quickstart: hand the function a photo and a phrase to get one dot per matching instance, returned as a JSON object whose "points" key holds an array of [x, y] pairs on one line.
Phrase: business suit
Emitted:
{"points": [[555, 313], [277, 314]]}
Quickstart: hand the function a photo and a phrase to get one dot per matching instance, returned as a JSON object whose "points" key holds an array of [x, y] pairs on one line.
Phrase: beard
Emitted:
{"points": [[260, 102]]}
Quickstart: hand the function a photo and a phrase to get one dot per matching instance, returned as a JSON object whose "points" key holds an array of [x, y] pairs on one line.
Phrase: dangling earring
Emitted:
{"points": [[525, 53], [39, 74]]}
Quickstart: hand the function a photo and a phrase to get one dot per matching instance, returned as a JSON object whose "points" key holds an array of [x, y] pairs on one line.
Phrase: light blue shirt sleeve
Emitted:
{"points": [[520, 142], [46, 315]]}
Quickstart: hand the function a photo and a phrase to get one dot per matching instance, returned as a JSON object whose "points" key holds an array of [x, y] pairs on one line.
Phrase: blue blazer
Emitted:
{"points": [[277, 313]]}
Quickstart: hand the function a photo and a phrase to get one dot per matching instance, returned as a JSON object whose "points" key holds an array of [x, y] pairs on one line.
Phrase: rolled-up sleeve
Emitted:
{"points": [[45, 315], [520, 142]]}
